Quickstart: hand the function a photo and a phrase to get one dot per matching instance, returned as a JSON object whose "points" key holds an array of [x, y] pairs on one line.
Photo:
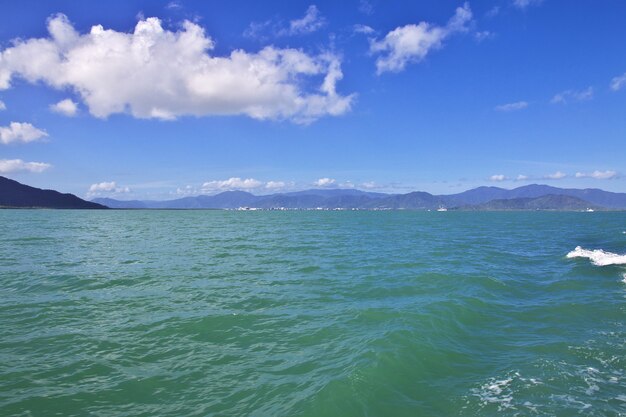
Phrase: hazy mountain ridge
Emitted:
{"points": [[518, 199], [546, 202]]}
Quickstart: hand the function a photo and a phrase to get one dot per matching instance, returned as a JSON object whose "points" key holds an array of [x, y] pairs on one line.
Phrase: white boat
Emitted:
{"points": [[589, 210], [442, 208]]}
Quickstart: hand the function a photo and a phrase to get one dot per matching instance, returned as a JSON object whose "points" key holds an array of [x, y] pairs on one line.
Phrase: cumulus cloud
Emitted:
{"points": [[17, 165], [522, 177], [275, 185], [105, 187], [310, 22], [617, 83], [411, 43], [555, 176], [65, 107], [518, 105], [569, 96], [20, 132], [498, 178], [157, 73], [598, 175], [234, 183], [2, 105], [325, 182], [523, 4]]}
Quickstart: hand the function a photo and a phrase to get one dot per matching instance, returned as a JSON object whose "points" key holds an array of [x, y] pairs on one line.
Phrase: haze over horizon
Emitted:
{"points": [[166, 99]]}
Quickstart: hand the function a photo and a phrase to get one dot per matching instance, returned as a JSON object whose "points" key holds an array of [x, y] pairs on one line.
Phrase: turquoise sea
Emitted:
{"points": [[338, 314]]}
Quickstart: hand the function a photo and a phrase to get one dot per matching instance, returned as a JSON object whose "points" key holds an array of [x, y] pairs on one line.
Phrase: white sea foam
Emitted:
{"points": [[598, 257]]}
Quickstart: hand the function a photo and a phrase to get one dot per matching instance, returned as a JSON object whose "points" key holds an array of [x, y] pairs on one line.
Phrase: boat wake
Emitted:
{"points": [[598, 257]]}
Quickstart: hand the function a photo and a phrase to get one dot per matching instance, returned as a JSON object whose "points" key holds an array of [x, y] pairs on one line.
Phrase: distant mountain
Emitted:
{"points": [[418, 200], [484, 194], [16, 195], [546, 202]]}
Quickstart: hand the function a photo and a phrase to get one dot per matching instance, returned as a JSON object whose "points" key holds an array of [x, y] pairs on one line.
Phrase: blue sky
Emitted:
{"points": [[167, 99]]}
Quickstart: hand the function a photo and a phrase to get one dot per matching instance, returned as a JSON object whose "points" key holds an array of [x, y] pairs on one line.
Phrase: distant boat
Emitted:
{"points": [[589, 210], [442, 208]]}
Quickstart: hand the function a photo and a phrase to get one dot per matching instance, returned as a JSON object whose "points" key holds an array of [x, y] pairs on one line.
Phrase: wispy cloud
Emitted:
{"points": [[598, 175], [366, 7], [363, 29], [617, 83], [8, 166], [493, 12], [484, 35], [518, 105], [153, 72], [571, 96], [174, 5], [2, 105], [558, 175], [411, 43], [523, 4], [20, 132], [310, 22]]}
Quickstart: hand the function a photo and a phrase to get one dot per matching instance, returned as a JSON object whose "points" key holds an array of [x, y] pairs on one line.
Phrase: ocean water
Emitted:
{"points": [[221, 313]]}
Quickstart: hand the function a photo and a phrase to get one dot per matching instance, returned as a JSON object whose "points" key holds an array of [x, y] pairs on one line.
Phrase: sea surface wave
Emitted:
{"points": [[212, 313]]}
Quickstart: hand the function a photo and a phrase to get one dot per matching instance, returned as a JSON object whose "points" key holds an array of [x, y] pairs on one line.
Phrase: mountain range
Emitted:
{"points": [[529, 197]]}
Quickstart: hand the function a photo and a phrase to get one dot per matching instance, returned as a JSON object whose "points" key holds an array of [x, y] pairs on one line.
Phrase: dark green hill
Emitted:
{"points": [[16, 195]]}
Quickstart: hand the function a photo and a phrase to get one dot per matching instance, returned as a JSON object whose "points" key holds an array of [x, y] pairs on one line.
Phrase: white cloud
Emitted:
{"points": [[107, 188], [598, 175], [275, 185], [556, 176], [363, 29], [234, 183], [498, 178], [156, 73], [369, 185], [411, 43], [311, 22], [66, 107], [2, 105], [568, 96], [325, 182], [617, 83], [522, 177], [523, 4], [20, 132], [518, 105], [16, 165]]}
